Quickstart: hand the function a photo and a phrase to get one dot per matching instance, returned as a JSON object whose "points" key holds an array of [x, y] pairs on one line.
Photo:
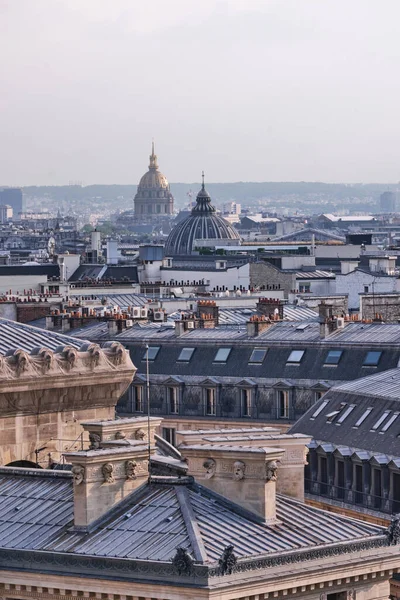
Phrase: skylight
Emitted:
{"points": [[380, 420], [319, 409], [346, 413], [389, 422], [222, 354], [258, 355], [364, 416], [372, 359], [295, 356], [333, 357], [153, 351], [186, 354]]}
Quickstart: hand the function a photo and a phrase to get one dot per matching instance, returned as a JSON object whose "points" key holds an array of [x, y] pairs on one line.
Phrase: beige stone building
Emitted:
{"points": [[220, 517], [49, 383]]}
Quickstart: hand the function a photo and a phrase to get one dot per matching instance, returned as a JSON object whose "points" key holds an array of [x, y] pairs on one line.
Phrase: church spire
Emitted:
{"points": [[153, 158]]}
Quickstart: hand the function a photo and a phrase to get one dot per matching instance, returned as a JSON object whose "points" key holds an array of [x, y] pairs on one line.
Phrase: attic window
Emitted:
{"points": [[330, 416], [186, 354], [153, 351], [258, 355], [295, 356], [389, 422], [372, 359], [333, 357], [346, 413], [319, 409], [364, 416], [380, 420], [222, 354]]}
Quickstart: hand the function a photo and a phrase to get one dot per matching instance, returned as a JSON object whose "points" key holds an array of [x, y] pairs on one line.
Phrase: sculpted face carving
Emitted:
{"points": [[48, 358], [79, 473], [117, 352], [271, 470], [94, 354], [71, 356], [139, 434], [130, 469], [238, 470], [22, 361], [95, 440], [210, 467], [120, 435], [108, 472]]}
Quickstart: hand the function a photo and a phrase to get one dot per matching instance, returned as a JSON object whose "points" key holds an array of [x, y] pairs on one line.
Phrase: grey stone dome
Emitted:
{"points": [[202, 224]]}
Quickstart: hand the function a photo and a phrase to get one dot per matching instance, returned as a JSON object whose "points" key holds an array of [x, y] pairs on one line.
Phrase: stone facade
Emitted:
{"points": [[44, 396], [266, 276]]}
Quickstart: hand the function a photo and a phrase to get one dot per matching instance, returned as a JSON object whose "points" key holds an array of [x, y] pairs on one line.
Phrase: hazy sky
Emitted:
{"points": [[248, 90]]}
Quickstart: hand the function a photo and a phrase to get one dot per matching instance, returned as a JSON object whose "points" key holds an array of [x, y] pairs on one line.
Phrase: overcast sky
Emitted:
{"points": [[248, 90]]}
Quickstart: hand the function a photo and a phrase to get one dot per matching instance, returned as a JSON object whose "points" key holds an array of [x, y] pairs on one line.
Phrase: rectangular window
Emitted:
{"points": [[222, 354], [211, 407], [364, 416], [377, 478], [168, 434], [380, 420], [372, 359], [153, 351], [340, 479], [246, 402], [295, 356], [186, 354], [333, 357], [283, 404], [389, 422], [346, 413], [258, 355], [319, 409], [173, 400], [137, 398]]}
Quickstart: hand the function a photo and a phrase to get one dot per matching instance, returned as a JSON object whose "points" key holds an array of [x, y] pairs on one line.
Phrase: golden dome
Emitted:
{"points": [[153, 178]]}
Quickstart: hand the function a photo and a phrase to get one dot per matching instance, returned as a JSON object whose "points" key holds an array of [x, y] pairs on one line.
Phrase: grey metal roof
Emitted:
{"points": [[36, 513], [15, 335]]}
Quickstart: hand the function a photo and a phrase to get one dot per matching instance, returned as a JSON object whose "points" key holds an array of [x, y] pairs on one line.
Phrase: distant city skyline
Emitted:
{"points": [[248, 90]]}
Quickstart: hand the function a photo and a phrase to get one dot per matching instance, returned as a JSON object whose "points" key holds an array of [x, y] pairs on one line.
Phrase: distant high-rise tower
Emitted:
{"points": [[388, 202], [153, 198], [12, 197]]}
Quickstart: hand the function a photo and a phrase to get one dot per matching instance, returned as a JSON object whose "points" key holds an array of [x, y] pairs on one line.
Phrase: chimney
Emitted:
{"points": [[115, 464], [103, 478], [242, 475], [208, 313], [257, 325], [327, 322], [271, 307], [290, 479]]}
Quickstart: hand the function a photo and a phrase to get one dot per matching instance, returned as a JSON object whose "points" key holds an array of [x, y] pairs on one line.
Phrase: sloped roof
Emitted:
{"points": [[20, 336], [36, 513]]}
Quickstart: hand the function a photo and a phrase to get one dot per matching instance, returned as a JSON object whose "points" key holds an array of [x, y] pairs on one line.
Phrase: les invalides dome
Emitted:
{"points": [[153, 198]]}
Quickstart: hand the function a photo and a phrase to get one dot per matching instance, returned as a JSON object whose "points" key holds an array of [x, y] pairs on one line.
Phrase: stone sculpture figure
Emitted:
{"points": [[393, 530], [210, 467], [130, 469], [238, 470], [120, 435], [227, 562], [139, 434], [183, 562], [271, 470], [108, 472], [78, 473], [95, 440]]}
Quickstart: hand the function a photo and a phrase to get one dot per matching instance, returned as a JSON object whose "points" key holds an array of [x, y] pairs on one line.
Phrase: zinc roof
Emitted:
{"points": [[36, 513], [15, 335]]}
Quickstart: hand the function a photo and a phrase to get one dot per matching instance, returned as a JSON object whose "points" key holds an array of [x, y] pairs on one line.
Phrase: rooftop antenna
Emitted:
{"points": [[148, 407]]}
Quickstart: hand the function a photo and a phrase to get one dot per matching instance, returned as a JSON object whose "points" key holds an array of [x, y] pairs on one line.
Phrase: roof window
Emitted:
{"points": [[330, 416], [333, 357], [222, 354], [319, 409], [295, 356], [380, 420], [364, 416], [346, 413], [152, 351], [186, 354], [258, 355], [389, 422], [372, 359]]}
